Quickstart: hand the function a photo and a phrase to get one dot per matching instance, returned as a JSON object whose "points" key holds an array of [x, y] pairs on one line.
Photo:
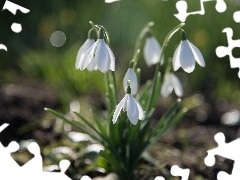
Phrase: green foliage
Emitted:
{"points": [[57, 70], [125, 143]]}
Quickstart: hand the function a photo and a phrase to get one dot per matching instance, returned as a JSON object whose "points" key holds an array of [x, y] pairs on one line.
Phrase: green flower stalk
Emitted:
{"points": [[124, 137]]}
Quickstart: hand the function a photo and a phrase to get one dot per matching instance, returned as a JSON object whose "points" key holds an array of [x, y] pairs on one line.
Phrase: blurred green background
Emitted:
{"points": [[30, 54], [34, 74]]}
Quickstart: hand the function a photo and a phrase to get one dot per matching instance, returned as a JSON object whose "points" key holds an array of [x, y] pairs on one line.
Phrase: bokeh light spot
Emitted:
{"points": [[200, 37], [57, 38]]}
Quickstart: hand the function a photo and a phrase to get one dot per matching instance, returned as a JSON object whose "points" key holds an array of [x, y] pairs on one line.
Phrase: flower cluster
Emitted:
{"points": [[123, 142], [97, 55]]}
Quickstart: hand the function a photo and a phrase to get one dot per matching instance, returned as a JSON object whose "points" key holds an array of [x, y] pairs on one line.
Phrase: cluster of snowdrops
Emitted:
{"points": [[124, 138]]}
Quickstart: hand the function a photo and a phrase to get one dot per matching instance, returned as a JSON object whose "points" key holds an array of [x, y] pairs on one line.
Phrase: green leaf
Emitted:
{"points": [[153, 98], [75, 125], [100, 126], [166, 124], [143, 95], [110, 158]]}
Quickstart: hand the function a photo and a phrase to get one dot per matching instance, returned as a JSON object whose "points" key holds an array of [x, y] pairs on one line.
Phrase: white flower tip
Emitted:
{"points": [[189, 70]]}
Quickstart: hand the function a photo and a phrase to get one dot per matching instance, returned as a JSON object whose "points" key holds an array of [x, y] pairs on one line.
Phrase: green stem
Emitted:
{"points": [[114, 85], [90, 33], [94, 26], [141, 37], [165, 43]]}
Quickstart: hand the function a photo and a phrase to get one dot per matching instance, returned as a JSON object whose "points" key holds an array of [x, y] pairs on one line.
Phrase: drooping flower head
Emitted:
{"points": [[131, 105], [152, 50], [98, 56], [86, 45], [132, 77], [186, 54], [170, 83]]}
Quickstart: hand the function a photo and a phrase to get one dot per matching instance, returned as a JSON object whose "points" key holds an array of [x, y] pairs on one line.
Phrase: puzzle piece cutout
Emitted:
{"points": [[236, 16], [3, 126], [33, 169], [227, 150], [222, 51], [12, 7], [177, 171], [182, 7], [3, 47]]}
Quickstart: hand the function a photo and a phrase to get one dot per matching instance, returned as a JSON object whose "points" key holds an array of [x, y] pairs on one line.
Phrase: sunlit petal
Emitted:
{"points": [[86, 45], [132, 110], [141, 115], [197, 55], [176, 58], [88, 56], [125, 103], [152, 51], [112, 58], [102, 56], [187, 60], [92, 65], [167, 87], [131, 75], [177, 86], [118, 109]]}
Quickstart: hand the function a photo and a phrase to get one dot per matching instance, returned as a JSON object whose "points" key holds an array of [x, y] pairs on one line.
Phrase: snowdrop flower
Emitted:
{"points": [[99, 55], [185, 56], [132, 106], [132, 77], [171, 82], [152, 51], [86, 45]]}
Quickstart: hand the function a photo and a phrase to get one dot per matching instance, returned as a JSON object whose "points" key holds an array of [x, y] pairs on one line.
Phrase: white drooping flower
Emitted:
{"points": [[132, 106], [98, 56], [171, 82], [152, 51], [185, 56], [86, 45], [132, 77]]}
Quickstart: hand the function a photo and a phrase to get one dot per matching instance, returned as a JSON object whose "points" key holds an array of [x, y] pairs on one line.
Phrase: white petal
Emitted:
{"points": [[88, 56], [151, 51], [176, 58], [86, 45], [177, 86], [125, 103], [167, 87], [118, 109], [141, 115], [132, 110], [102, 57], [187, 60], [112, 64], [197, 55], [131, 75], [92, 65]]}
